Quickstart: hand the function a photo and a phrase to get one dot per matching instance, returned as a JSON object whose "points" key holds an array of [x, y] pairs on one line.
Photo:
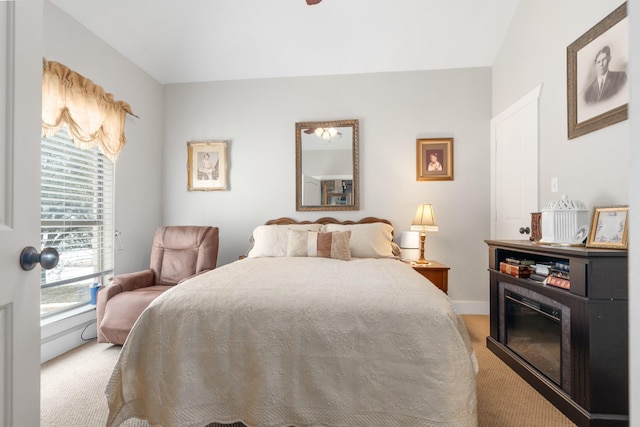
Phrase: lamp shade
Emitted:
{"points": [[425, 219]]}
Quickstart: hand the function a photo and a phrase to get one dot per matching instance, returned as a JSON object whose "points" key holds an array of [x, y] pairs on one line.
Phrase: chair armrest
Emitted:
{"points": [[131, 281], [120, 283], [123, 283], [105, 294], [194, 275]]}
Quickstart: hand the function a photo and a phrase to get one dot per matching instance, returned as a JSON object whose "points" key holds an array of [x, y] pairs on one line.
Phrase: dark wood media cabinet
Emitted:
{"points": [[595, 369]]}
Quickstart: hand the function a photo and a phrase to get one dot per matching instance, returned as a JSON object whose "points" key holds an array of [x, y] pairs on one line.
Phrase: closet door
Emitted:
{"points": [[514, 171]]}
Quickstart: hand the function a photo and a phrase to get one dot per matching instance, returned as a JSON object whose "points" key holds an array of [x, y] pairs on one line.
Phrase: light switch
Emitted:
{"points": [[554, 184]]}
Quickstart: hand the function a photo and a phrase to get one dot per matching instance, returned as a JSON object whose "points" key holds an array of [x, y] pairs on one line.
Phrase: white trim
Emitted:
{"points": [[532, 96], [66, 331]]}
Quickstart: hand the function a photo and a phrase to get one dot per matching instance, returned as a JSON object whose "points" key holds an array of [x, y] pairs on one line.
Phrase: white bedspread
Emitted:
{"points": [[298, 342]]}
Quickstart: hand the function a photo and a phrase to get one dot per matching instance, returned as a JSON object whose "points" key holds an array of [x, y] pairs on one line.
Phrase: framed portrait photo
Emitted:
{"points": [[597, 83], [206, 166], [434, 159], [609, 228]]}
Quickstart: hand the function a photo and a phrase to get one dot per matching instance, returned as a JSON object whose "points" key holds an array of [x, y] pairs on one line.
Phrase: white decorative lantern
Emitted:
{"points": [[564, 222]]}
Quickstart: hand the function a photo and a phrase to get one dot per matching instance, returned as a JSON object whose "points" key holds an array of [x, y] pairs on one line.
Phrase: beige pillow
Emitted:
{"points": [[367, 240], [271, 240], [319, 244]]}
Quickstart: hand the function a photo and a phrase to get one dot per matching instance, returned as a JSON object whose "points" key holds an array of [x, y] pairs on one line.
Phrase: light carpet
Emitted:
{"points": [[72, 388]]}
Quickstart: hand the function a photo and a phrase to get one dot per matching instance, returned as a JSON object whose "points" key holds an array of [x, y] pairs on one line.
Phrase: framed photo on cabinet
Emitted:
{"points": [[609, 228], [434, 159], [597, 83], [206, 166]]}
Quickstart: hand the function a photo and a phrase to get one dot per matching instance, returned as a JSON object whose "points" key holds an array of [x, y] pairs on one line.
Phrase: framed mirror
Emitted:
{"points": [[327, 166]]}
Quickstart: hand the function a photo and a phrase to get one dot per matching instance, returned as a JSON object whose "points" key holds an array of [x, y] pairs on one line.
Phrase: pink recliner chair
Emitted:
{"points": [[178, 253]]}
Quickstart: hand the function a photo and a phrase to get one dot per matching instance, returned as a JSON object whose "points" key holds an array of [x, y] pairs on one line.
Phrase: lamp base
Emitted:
{"points": [[422, 261]]}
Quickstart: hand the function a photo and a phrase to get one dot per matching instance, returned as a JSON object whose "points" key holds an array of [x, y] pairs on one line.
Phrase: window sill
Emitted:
{"points": [[50, 320]]}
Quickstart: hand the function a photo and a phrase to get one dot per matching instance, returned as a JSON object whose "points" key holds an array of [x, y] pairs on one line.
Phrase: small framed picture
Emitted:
{"points": [[206, 166], [597, 82], [434, 159], [609, 228]]}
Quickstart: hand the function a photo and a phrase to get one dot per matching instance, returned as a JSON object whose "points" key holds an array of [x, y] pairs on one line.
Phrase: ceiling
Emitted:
{"points": [[209, 40]]}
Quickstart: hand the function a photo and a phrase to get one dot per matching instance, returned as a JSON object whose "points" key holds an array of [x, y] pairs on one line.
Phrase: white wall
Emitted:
{"points": [[327, 162], [534, 52], [592, 168], [138, 191], [259, 116], [138, 168]]}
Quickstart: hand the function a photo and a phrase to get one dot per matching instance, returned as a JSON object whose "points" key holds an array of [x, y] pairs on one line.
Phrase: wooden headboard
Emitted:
{"points": [[327, 220]]}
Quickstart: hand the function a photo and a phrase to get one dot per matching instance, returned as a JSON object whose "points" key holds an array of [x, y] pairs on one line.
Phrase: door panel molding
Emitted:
{"points": [[7, 57], [6, 363]]}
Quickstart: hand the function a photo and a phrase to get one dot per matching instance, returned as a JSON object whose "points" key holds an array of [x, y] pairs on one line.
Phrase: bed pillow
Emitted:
{"points": [[396, 251], [319, 244], [271, 240], [367, 240]]}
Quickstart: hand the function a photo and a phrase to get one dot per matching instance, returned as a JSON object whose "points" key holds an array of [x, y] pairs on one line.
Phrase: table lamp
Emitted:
{"points": [[424, 221]]}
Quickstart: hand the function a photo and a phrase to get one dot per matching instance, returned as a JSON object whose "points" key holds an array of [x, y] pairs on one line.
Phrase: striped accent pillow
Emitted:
{"points": [[318, 244]]}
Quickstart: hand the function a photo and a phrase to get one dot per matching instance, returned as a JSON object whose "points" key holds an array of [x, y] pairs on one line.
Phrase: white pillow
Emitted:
{"points": [[271, 240], [367, 240]]}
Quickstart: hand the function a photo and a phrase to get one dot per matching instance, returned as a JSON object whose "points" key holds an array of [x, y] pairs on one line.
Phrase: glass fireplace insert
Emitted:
{"points": [[537, 329]]}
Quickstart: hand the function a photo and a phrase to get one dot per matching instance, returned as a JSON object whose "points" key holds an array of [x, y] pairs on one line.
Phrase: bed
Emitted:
{"points": [[302, 332]]}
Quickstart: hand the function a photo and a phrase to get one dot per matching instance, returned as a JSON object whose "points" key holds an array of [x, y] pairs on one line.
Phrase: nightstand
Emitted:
{"points": [[436, 273]]}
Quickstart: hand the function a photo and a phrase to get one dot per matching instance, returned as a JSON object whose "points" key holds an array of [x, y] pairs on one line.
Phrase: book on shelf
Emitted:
{"points": [[558, 273], [560, 265], [521, 271], [558, 282], [517, 261], [537, 277]]}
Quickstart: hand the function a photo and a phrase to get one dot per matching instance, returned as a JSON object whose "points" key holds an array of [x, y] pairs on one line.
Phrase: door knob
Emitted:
{"points": [[29, 257], [525, 230]]}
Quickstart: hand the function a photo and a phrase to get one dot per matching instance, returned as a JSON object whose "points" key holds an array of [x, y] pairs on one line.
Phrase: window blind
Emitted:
{"points": [[76, 219]]}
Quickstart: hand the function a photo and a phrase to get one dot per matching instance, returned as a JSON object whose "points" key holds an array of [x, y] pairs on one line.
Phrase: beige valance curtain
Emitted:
{"points": [[92, 116]]}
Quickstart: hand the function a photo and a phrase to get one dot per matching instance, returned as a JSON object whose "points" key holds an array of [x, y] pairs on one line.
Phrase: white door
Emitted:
{"points": [[311, 193], [514, 169], [20, 118]]}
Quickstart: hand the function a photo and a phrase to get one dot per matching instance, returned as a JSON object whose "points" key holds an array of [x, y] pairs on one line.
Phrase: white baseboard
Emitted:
{"points": [[472, 307], [62, 333]]}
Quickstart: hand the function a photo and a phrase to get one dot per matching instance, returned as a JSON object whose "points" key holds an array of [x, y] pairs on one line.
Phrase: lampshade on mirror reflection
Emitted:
{"points": [[425, 220]]}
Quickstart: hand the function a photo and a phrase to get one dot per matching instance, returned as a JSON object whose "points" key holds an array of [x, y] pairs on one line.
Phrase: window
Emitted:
{"points": [[76, 219]]}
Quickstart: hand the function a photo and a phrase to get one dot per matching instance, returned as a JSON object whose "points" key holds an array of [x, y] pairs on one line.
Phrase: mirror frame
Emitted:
{"points": [[300, 126]]}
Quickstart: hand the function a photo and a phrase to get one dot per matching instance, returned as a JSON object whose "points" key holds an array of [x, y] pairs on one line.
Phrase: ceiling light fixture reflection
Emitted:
{"points": [[326, 133]]}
